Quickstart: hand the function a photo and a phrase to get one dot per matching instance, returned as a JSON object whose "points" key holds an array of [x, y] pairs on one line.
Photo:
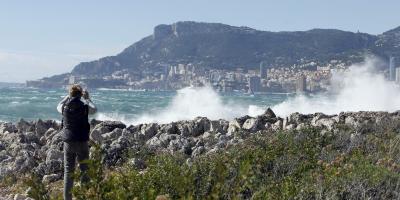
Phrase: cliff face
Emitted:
{"points": [[223, 46]]}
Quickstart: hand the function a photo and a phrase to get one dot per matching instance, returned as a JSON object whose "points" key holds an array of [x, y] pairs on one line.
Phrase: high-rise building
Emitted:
{"points": [[172, 71], [263, 70], [165, 70], [181, 69], [301, 84], [397, 75], [392, 68], [254, 84]]}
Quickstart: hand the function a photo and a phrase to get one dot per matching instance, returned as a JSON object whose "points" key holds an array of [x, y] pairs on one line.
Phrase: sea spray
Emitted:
{"points": [[360, 88], [193, 102]]}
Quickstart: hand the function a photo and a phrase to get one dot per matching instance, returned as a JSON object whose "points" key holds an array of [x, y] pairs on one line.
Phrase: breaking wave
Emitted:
{"points": [[360, 88], [188, 104]]}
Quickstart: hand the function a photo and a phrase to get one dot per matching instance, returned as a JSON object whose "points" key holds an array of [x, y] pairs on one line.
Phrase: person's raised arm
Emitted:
{"points": [[60, 105], [88, 101]]}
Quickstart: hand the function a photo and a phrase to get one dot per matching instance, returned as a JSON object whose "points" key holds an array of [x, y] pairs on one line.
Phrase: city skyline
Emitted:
{"points": [[46, 38]]}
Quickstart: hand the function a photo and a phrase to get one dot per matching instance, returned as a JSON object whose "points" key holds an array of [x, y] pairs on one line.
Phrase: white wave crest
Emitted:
{"points": [[193, 102], [360, 88], [188, 104]]}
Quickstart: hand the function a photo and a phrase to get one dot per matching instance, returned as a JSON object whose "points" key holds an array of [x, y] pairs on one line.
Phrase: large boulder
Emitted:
{"points": [[171, 128], [278, 125], [48, 136], [51, 167], [269, 113], [166, 138], [240, 120], [57, 141], [108, 126], [183, 128], [24, 162], [297, 118], [219, 126], [178, 144], [233, 127], [54, 154], [236, 124], [117, 152], [292, 126], [113, 135], [24, 126], [198, 126], [94, 122], [351, 121], [253, 125], [149, 130], [8, 127], [42, 126], [154, 143], [31, 137], [51, 178], [322, 120], [96, 135], [326, 122], [98, 132]]}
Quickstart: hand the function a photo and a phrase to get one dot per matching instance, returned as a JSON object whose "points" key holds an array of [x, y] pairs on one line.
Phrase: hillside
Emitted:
{"points": [[388, 43], [225, 47]]}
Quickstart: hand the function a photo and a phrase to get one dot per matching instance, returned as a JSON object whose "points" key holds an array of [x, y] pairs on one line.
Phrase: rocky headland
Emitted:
{"points": [[36, 147]]}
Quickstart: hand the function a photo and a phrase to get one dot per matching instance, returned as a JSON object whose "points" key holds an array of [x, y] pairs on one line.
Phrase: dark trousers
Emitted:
{"points": [[74, 151]]}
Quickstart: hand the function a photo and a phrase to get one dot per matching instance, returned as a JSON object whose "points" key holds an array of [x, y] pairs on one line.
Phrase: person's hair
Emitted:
{"points": [[75, 90]]}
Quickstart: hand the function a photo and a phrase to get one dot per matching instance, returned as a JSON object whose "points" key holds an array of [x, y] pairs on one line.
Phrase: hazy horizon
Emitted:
{"points": [[45, 38]]}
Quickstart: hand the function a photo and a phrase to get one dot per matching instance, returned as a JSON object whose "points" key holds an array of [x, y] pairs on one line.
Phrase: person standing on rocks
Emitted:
{"points": [[75, 108]]}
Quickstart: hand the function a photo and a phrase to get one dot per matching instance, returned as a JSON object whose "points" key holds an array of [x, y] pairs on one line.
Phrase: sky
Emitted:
{"points": [[46, 37]]}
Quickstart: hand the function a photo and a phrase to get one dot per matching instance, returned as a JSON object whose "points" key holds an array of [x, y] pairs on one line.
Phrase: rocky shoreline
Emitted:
{"points": [[37, 147]]}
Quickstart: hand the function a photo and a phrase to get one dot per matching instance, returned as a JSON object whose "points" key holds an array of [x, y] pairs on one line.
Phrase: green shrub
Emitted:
{"points": [[301, 164]]}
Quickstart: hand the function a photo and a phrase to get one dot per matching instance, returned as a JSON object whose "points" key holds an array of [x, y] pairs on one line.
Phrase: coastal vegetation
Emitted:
{"points": [[302, 164]]}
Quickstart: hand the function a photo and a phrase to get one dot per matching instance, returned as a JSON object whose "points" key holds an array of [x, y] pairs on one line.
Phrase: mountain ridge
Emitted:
{"points": [[217, 45]]}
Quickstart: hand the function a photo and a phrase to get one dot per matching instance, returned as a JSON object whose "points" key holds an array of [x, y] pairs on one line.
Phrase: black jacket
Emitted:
{"points": [[75, 123]]}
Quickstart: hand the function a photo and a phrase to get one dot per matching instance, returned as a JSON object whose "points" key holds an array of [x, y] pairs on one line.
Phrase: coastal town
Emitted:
{"points": [[306, 77]]}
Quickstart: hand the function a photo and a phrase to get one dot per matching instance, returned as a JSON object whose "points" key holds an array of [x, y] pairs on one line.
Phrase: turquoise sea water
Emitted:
{"points": [[137, 106]]}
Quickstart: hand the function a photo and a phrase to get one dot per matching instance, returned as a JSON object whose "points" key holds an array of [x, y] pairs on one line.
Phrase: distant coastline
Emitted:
{"points": [[12, 85]]}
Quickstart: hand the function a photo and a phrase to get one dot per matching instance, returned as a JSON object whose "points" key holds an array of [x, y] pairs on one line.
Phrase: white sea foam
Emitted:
{"points": [[188, 104], [50, 98], [360, 88]]}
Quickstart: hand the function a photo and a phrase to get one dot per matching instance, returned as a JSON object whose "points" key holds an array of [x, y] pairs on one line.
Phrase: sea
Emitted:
{"points": [[360, 88], [135, 107]]}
